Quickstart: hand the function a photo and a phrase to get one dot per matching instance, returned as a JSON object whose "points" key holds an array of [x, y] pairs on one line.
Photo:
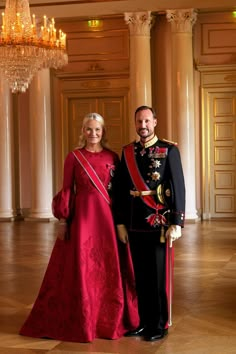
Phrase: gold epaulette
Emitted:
{"points": [[170, 142]]}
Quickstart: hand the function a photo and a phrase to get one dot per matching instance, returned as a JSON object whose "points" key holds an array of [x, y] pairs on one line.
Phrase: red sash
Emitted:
{"points": [[92, 174], [140, 185]]}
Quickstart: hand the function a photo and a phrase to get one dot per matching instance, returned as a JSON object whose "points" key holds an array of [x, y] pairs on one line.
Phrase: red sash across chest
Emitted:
{"points": [[140, 185], [92, 174]]}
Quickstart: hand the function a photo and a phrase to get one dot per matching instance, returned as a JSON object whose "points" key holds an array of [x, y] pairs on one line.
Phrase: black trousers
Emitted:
{"points": [[149, 260]]}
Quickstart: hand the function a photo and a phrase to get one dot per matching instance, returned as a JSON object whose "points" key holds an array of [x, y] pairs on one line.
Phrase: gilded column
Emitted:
{"points": [[41, 147], [140, 63], [6, 153], [183, 123]]}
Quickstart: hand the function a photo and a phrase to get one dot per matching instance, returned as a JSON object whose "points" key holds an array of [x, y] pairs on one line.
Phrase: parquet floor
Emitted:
{"points": [[204, 306]]}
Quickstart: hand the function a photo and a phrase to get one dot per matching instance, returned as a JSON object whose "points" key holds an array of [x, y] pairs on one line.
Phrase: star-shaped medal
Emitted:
{"points": [[155, 176], [156, 163]]}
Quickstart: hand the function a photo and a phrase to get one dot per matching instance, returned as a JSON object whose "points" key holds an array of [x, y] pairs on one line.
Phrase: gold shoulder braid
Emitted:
{"points": [[170, 142]]}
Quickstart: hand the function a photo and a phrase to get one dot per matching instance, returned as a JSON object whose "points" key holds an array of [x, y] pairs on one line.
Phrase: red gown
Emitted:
{"points": [[88, 289]]}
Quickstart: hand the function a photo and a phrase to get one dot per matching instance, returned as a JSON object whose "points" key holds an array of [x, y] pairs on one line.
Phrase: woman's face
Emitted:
{"points": [[93, 132]]}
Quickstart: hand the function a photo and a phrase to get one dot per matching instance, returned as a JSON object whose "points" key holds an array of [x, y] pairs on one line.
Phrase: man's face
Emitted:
{"points": [[145, 124]]}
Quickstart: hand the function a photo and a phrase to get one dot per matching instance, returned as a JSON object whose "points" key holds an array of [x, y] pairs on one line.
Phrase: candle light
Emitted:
{"points": [[45, 21], [3, 18]]}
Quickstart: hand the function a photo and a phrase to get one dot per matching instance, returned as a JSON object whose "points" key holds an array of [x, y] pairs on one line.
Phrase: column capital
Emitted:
{"points": [[182, 20], [139, 22]]}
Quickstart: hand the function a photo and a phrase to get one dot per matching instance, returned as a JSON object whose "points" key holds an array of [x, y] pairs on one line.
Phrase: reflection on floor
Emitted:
{"points": [[204, 308]]}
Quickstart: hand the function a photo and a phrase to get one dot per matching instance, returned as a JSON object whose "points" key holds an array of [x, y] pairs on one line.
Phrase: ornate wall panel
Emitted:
{"points": [[97, 49], [215, 38]]}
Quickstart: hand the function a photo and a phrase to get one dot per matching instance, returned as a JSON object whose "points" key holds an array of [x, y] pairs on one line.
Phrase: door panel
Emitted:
{"points": [[77, 109], [112, 107], [220, 147], [113, 110]]}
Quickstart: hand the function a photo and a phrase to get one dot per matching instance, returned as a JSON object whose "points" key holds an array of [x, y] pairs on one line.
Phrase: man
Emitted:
{"points": [[149, 208]]}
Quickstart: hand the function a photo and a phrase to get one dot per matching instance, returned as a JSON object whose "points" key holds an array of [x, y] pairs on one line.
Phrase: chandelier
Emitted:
{"points": [[25, 47]]}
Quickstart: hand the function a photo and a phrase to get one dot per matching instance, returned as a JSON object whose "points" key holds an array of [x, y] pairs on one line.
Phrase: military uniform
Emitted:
{"points": [[158, 165]]}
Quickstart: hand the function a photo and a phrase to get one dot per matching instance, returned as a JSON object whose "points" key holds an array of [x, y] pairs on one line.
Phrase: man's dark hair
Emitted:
{"points": [[142, 108]]}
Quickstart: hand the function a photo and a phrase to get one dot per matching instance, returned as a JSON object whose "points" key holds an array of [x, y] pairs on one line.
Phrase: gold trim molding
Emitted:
{"points": [[217, 68]]}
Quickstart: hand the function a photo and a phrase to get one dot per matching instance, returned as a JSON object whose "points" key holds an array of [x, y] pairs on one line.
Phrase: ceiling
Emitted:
{"points": [[94, 8]]}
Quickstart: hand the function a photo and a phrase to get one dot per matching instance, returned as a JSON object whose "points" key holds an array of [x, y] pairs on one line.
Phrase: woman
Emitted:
{"points": [[88, 288]]}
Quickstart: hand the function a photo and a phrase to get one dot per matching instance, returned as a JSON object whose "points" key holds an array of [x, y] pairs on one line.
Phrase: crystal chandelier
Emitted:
{"points": [[25, 49]]}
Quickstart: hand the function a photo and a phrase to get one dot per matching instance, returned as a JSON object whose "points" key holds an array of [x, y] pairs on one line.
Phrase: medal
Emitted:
{"points": [[143, 152], [156, 163], [155, 176]]}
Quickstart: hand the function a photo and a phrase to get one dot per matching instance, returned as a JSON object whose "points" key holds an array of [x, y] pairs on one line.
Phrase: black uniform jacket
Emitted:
{"points": [[161, 170]]}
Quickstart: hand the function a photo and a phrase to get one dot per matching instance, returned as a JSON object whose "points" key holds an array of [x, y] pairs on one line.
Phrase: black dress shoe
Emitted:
{"points": [[156, 335], [135, 332]]}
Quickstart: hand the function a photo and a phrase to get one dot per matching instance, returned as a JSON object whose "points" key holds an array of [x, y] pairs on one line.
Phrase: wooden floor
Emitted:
{"points": [[204, 309]]}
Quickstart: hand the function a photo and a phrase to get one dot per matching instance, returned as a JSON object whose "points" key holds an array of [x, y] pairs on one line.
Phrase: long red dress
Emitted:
{"points": [[88, 289]]}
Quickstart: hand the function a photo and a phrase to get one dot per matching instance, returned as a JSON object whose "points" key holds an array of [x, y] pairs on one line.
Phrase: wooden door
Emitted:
{"points": [[111, 106], [74, 99], [219, 148]]}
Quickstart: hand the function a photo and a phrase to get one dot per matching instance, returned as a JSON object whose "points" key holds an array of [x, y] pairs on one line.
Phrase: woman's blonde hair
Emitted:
{"points": [[98, 118]]}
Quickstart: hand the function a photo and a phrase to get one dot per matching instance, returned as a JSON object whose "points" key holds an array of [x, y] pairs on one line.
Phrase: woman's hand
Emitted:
{"points": [[122, 233], [62, 230]]}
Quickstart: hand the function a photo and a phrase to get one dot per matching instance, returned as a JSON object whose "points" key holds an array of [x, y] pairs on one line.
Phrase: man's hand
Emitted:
{"points": [[174, 232], [122, 233]]}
